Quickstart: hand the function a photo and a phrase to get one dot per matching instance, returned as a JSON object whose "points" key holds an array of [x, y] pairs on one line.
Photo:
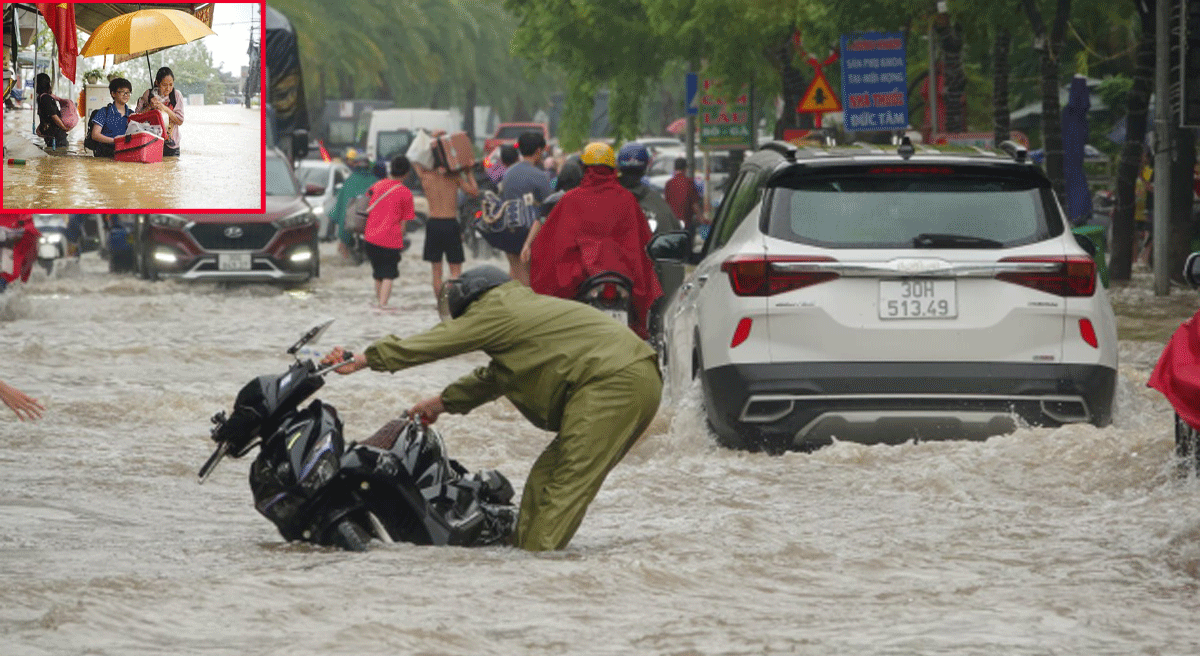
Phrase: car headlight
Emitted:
{"points": [[299, 219], [170, 221]]}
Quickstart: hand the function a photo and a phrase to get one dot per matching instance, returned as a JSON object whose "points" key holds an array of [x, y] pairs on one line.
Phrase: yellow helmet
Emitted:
{"points": [[599, 152], [353, 157]]}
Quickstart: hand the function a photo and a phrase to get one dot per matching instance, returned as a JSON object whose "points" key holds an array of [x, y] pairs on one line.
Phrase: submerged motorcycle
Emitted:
{"points": [[396, 486], [1177, 376]]}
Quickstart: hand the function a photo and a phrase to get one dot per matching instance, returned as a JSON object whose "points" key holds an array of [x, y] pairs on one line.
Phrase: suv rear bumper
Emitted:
{"points": [[804, 405]]}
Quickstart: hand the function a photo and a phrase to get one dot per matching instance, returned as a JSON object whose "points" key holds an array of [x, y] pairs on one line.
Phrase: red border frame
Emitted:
{"points": [[262, 126]]}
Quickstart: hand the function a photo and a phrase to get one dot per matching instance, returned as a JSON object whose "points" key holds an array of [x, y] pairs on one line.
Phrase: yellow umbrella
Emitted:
{"points": [[143, 30]]}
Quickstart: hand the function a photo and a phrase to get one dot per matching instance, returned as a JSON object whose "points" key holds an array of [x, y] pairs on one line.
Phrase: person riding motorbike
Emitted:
{"points": [[567, 368], [596, 227], [632, 161], [361, 178]]}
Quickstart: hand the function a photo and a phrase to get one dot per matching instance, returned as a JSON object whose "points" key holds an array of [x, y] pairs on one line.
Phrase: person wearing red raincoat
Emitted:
{"points": [[18, 247], [595, 227]]}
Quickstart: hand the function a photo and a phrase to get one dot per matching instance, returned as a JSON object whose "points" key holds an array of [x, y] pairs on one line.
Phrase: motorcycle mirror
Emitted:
{"points": [[1191, 269], [311, 337]]}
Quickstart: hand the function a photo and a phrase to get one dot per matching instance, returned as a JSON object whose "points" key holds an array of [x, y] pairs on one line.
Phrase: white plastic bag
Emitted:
{"points": [[421, 150], [137, 126]]}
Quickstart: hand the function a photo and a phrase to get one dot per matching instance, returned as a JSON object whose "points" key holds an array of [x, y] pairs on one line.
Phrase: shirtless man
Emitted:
{"points": [[443, 236]]}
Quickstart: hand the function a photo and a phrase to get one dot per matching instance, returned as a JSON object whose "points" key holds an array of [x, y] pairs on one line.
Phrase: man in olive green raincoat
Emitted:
{"points": [[567, 367]]}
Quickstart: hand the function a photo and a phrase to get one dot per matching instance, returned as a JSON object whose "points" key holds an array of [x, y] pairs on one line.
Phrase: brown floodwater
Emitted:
{"points": [[220, 167]]}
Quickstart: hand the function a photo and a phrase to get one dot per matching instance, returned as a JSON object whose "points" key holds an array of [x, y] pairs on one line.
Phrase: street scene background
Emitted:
{"points": [[220, 167], [1075, 540]]}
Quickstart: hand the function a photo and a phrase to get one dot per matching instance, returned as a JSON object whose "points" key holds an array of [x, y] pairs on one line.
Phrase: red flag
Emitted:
{"points": [[60, 16]]}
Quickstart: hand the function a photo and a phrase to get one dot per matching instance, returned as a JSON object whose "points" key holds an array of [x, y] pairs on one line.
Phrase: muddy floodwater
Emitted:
{"points": [[1066, 541], [220, 167]]}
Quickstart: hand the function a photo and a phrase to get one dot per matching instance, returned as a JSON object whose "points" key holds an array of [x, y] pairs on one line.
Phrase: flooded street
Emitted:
{"points": [[1075, 540], [220, 167]]}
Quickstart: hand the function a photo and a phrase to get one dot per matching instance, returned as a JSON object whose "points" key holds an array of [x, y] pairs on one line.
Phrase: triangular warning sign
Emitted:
{"points": [[819, 97]]}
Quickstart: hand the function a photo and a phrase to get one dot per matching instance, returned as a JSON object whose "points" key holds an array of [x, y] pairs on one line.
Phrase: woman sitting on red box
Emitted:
{"points": [[162, 105]]}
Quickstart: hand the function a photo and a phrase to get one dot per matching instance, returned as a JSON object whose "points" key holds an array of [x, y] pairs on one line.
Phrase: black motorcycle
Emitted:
{"points": [[396, 486]]}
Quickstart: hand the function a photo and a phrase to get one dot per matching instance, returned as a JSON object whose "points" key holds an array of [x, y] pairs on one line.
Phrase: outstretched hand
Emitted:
{"points": [[338, 354], [24, 405]]}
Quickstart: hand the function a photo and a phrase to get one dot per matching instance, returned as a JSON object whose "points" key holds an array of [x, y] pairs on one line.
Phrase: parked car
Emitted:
{"points": [[321, 181], [278, 245], [507, 133], [874, 296]]}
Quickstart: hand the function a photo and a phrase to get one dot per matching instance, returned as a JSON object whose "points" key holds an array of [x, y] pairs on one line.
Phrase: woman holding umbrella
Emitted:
{"points": [[167, 101]]}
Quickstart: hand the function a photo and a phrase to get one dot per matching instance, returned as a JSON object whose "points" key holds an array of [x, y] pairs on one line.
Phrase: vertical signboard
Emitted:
{"points": [[1189, 69], [724, 123], [874, 81]]}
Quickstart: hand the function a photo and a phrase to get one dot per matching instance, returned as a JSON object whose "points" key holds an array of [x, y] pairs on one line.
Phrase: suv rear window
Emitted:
{"points": [[902, 207], [514, 131]]}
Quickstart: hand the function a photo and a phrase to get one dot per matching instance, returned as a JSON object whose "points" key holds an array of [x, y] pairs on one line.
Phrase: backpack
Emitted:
{"points": [[506, 215], [69, 113], [88, 141], [505, 223], [358, 209]]}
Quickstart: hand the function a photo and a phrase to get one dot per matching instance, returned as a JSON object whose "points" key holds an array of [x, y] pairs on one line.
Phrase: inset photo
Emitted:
{"points": [[133, 106]]}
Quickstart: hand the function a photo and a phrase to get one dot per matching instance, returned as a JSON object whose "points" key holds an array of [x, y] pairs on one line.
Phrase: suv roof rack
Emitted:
{"points": [[788, 150], [1015, 151]]}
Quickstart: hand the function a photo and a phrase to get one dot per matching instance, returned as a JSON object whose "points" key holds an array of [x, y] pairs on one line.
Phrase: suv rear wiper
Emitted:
{"points": [[936, 240]]}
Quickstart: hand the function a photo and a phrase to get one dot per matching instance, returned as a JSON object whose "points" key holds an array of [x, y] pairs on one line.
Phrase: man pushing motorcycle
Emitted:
{"points": [[567, 367]]}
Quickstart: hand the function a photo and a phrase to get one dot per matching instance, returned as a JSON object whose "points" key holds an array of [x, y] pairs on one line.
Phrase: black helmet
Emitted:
{"points": [[458, 293], [570, 175]]}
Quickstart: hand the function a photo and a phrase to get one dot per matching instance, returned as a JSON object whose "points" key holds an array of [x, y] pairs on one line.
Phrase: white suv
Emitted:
{"points": [[883, 296]]}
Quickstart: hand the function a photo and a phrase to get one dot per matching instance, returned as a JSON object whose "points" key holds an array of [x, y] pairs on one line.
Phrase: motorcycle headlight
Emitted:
{"points": [[51, 238], [301, 218], [320, 466], [169, 221]]}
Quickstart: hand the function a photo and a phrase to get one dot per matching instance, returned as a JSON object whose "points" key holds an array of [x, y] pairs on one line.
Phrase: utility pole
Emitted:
{"points": [[1164, 149]]}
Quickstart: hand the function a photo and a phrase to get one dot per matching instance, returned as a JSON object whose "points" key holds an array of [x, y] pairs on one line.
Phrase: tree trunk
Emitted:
{"points": [[1000, 113], [793, 86], [469, 112], [1120, 265], [956, 78], [1049, 44], [1179, 242]]}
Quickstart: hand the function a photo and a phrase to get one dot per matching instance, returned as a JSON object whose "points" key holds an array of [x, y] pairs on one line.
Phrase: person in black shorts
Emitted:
{"points": [[443, 234]]}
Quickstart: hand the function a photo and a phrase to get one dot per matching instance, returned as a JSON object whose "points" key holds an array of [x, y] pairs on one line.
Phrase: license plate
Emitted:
{"points": [[917, 299], [233, 261]]}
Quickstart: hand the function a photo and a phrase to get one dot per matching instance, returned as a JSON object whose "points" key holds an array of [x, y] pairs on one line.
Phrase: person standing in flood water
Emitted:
{"points": [[391, 205], [443, 234], [110, 121], [51, 129], [165, 98]]}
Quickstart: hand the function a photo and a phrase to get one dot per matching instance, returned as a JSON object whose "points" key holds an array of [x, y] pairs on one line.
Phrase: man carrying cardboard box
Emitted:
{"points": [[443, 235]]}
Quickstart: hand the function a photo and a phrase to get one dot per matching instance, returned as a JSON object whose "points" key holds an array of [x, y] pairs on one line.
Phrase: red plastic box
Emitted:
{"points": [[139, 147]]}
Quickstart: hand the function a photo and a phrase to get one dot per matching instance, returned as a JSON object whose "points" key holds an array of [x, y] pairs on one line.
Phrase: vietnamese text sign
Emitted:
{"points": [[724, 123], [874, 81]]}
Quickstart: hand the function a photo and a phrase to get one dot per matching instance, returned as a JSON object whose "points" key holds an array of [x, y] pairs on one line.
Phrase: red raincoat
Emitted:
{"points": [[595, 227], [1177, 374], [18, 243]]}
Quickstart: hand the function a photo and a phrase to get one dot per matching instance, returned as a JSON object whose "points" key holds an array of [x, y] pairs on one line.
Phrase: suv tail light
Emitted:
{"points": [[767, 275], [1073, 275]]}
